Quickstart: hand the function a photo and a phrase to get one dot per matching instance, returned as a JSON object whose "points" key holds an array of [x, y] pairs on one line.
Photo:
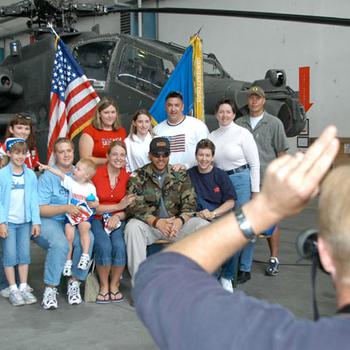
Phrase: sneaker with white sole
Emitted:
{"points": [[226, 284], [272, 267], [50, 299], [73, 292], [28, 296], [5, 292], [16, 298], [84, 262], [67, 269]]}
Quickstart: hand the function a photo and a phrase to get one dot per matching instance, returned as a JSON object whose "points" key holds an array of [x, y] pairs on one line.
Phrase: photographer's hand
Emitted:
{"points": [[291, 181]]}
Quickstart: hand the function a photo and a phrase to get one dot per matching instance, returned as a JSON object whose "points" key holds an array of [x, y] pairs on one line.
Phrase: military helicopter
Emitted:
{"points": [[132, 70]]}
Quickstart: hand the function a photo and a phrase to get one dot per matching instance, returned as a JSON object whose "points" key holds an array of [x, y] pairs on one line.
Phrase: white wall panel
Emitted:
{"points": [[248, 47]]}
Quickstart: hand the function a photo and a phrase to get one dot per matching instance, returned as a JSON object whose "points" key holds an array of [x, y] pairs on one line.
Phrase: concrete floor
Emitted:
{"points": [[116, 326]]}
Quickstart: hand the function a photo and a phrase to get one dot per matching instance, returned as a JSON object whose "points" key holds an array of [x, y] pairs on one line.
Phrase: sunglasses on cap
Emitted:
{"points": [[164, 155], [24, 116]]}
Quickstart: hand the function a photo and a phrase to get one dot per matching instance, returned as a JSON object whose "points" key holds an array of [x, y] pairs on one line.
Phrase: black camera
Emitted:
{"points": [[307, 248]]}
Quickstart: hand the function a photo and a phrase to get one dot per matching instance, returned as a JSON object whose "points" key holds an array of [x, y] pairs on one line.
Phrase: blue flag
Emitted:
{"points": [[181, 80]]}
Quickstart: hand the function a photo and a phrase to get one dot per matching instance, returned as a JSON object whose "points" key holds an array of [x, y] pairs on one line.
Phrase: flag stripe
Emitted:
{"points": [[60, 129], [80, 109], [78, 88]]}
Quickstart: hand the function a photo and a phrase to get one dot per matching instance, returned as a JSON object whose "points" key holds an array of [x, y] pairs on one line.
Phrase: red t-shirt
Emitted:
{"points": [[105, 193], [103, 138]]}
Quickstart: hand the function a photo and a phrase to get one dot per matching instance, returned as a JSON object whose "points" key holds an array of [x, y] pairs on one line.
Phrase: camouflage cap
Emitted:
{"points": [[256, 90], [159, 145]]}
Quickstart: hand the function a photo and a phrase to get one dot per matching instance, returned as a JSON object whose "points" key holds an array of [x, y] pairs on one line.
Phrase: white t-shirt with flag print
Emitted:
{"points": [[78, 192], [183, 139]]}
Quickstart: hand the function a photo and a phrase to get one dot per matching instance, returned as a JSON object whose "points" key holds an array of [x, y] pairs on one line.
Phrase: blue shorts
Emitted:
{"points": [[269, 231]]}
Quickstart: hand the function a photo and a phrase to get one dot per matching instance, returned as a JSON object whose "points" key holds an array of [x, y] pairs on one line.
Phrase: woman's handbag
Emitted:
{"points": [[92, 286]]}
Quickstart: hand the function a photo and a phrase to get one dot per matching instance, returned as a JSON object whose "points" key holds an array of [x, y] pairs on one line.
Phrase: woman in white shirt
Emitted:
{"points": [[137, 143], [237, 154]]}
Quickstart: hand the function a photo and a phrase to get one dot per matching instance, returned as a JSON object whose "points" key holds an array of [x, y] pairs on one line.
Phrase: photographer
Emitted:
{"points": [[185, 308]]}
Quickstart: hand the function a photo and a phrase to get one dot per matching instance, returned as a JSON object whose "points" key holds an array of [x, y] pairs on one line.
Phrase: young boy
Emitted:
{"points": [[19, 219], [82, 193]]}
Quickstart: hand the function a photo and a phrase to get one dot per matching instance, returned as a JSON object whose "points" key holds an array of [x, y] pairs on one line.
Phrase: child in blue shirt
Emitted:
{"points": [[19, 219]]}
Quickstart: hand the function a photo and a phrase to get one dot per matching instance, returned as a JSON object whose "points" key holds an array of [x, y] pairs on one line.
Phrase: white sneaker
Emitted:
{"points": [[226, 284], [28, 297], [67, 270], [50, 299], [16, 298], [5, 292], [73, 293], [84, 262]]}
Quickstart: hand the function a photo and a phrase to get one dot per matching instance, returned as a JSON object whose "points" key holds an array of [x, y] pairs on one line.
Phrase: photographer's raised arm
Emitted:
{"points": [[185, 308], [290, 182]]}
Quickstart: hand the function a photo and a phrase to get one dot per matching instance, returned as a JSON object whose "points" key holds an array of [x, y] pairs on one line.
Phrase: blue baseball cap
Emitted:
{"points": [[12, 141]]}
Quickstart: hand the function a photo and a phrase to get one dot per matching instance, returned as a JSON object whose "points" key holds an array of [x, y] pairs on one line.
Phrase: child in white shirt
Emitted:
{"points": [[83, 194]]}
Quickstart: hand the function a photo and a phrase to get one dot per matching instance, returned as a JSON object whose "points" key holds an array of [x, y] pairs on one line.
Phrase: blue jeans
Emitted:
{"points": [[16, 246], [241, 183], [53, 239], [3, 280], [109, 250]]}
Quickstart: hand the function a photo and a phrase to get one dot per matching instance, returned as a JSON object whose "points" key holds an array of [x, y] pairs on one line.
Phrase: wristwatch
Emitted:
{"points": [[245, 226]]}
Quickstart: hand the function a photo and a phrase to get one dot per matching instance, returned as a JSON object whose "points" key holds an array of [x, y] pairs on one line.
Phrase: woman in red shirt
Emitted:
{"points": [[108, 225], [104, 129], [21, 127]]}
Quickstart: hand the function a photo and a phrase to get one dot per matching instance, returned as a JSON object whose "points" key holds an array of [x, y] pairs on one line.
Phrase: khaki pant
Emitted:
{"points": [[138, 235]]}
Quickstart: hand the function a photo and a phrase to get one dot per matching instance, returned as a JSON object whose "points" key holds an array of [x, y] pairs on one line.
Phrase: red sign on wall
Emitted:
{"points": [[304, 87]]}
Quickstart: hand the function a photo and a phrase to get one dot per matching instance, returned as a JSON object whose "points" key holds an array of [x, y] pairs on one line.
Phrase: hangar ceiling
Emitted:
{"points": [[10, 27]]}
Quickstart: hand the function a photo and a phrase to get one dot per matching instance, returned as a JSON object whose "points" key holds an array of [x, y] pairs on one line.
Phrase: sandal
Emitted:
{"points": [[116, 297], [102, 299]]}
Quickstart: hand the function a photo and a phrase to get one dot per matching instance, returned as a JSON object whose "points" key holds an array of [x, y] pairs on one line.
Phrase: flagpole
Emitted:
{"points": [[55, 33], [198, 81]]}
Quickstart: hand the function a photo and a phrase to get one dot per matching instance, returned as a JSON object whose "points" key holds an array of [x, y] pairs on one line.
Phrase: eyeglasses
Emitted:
{"points": [[165, 155]]}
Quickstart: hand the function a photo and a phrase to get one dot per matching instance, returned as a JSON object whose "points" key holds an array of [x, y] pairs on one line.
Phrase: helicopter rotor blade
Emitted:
{"points": [[233, 13]]}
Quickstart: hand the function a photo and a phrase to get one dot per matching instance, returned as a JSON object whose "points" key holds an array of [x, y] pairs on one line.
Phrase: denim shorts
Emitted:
{"points": [[16, 246]]}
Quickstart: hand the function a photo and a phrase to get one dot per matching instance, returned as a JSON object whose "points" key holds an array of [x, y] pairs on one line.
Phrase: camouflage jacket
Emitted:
{"points": [[178, 194]]}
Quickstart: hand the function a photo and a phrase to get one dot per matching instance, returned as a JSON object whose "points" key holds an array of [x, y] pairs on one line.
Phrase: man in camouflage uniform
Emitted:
{"points": [[164, 206]]}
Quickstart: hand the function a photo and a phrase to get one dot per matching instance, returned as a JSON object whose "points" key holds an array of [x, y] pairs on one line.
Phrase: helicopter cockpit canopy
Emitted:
{"points": [[95, 58], [144, 70]]}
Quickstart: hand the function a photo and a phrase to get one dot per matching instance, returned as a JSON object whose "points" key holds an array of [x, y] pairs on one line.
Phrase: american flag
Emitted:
{"points": [[73, 100], [178, 143]]}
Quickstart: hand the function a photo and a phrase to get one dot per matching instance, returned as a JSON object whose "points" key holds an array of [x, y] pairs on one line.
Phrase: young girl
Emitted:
{"points": [[137, 143], [19, 219], [21, 127]]}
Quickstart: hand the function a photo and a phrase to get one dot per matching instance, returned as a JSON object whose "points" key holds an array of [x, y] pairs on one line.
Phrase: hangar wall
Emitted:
{"points": [[247, 48]]}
